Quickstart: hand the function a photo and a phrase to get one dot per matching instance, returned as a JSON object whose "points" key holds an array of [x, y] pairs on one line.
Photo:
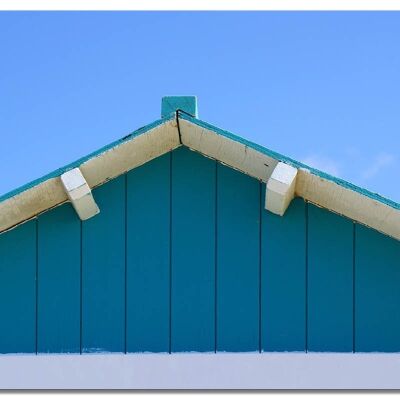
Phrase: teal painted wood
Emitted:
{"points": [[283, 278], [330, 281], [193, 252], [170, 104], [103, 271], [216, 237], [18, 289], [238, 261], [377, 293], [59, 281], [148, 256]]}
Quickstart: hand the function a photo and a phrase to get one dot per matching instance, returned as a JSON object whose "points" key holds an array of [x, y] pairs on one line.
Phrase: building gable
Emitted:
{"points": [[184, 257], [285, 178]]}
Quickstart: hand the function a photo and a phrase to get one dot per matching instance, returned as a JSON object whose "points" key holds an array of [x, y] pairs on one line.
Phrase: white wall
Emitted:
{"points": [[201, 371]]}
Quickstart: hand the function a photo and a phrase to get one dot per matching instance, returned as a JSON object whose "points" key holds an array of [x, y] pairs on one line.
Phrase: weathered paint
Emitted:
{"points": [[58, 172], [238, 278], [238, 261], [230, 152], [193, 252], [181, 128], [377, 294], [283, 279], [98, 168], [312, 185], [148, 257], [280, 157], [18, 260], [103, 272], [329, 281], [59, 281]]}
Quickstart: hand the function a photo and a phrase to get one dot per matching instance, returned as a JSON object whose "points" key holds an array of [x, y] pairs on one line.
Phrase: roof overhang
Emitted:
{"points": [[180, 129], [136, 149]]}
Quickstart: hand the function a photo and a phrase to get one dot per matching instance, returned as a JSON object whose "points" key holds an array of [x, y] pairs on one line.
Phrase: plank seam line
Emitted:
{"points": [[178, 126]]}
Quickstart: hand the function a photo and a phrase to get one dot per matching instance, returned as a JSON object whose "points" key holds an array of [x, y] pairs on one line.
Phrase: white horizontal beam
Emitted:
{"points": [[280, 188], [202, 371], [79, 193]]}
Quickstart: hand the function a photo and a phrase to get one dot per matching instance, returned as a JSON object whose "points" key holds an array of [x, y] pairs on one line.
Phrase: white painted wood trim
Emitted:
{"points": [[280, 188], [320, 191], [347, 202], [97, 170], [202, 371], [164, 138], [79, 194], [227, 151]]}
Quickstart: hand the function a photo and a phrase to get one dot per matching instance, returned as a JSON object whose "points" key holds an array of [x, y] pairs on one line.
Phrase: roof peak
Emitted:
{"points": [[179, 126], [171, 104]]}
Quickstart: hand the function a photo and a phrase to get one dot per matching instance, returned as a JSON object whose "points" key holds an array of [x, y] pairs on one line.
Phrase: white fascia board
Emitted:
{"points": [[79, 193], [97, 170], [131, 154], [280, 188], [323, 192], [31, 202], [287, 370], [164, 138], [349, 203], [227, 151]]}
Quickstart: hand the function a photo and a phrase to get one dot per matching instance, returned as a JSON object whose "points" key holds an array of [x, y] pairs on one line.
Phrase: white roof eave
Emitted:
{"points": [[209, 141]]}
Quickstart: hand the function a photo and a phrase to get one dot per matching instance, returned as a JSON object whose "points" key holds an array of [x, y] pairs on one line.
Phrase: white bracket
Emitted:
{"points": [[79, 194], [280, 188]]}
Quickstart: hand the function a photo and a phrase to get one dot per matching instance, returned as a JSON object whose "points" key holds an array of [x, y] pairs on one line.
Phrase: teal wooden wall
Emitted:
{"points": [[184, 257]]}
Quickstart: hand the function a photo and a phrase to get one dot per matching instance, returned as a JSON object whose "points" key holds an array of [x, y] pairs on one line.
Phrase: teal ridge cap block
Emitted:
{"points": [[169, 105]]}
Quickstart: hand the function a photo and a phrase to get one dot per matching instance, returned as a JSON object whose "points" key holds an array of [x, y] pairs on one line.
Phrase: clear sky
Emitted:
{"points": [[322, 88]]}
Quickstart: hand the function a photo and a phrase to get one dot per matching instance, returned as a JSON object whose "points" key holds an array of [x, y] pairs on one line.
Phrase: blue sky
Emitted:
{"points": [[323, 88]]}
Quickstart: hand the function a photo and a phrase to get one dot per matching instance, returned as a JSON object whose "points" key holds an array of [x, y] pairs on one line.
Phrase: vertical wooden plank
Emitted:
{"points": [[238, 261], [59, 270], [18, 289], [330, 281], [193, 252], [148, 256], [283, 306], [103, 271], [377, 291]]}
